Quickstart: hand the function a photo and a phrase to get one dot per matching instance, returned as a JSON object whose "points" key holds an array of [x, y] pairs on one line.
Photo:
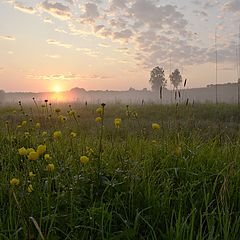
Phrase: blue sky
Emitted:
{"points": [[114, 44]]}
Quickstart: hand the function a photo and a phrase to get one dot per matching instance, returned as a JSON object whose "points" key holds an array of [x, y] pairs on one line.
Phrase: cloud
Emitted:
{"points": [[91, 12], [47, 20], [56, 9], [103, 45], [70, 1], [88, 51], [23, 8], [57, 43], [124, 34], [154, 16], [53, 56], [118, 4], [210, 3], [52, 77], [232, 6], [10, 38], [60, 30], [67, 76]]}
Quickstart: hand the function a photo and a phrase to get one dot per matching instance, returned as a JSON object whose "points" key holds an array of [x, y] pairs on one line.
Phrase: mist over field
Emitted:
{"points": [[226, 93]]}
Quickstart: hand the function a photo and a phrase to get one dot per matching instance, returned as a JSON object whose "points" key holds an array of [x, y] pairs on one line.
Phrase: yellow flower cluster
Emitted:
{"points": [[31, 153]]}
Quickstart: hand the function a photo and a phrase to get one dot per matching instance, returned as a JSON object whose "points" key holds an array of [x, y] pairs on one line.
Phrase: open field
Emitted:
{"points": [[114, 174]]}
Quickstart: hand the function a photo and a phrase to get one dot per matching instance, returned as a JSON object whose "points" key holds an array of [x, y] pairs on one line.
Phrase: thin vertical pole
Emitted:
{"points": [[238, 67], [170, 69], [216, 65]]}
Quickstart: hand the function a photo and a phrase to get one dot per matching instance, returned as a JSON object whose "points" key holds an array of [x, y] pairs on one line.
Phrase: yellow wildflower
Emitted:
{"points": [[84, 159], [117, 122], [38, 125], [47, 157], [33, 156], [71, 113], [57, 134], [22, 151], [27, 134], [14, 182], [155, 126], [73, 134], [44, 134], [41, 149], [62, 118], [30, 150], [30, 188], [99, 110], [89, 151], [19, 126], [98, 119], [178, 150], [50, 167], [57, 110], [31, 174], [24, 123]]}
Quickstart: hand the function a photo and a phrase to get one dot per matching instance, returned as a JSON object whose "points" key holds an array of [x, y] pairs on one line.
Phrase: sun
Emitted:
{"points": [[57, 89]]}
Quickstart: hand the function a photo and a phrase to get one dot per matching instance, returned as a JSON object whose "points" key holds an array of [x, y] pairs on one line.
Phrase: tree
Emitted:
{"points": [[157, 79], [175, 78]]}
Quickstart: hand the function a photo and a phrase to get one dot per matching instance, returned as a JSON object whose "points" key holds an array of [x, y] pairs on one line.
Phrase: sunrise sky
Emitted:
{"points": [[114, 44]]}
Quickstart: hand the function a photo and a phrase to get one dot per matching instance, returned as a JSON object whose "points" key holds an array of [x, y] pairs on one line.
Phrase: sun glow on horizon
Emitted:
{"points": [[57, 89]]}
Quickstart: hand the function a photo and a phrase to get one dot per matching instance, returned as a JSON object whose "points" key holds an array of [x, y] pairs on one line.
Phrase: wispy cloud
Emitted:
{"points": [[56, 9], [7, 37], [57, 43], [54, 56], [67, 76], [232, 6], [88, 51], [24, 8], [47, 20]]}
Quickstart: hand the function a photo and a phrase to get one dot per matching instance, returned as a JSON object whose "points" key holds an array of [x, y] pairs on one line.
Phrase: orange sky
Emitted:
{"points": [[114, 44]]}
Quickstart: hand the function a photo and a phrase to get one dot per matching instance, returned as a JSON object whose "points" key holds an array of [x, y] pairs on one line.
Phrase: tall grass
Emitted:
{"points": [[179, 182]]}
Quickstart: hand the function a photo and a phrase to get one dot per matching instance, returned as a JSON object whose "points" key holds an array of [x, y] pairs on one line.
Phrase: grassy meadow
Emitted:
{"points": [[119, 172]]}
